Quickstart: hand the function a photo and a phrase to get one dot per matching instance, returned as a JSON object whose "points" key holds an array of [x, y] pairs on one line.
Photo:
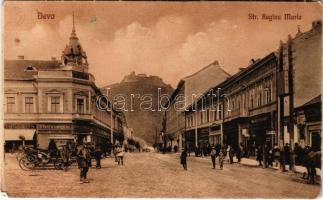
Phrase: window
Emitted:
{"points": [[55, 104], [29, 104], [201, 117], [207, 115], [11, 104], [268, 94], [192, 121], [80, 108], [220, 111], [188, 122]]}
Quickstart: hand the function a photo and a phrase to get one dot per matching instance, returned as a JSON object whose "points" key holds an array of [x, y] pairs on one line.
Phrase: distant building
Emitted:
{"points": [[300, 79], [190, 88], [55, 100], [309, 123], [240, 109]]}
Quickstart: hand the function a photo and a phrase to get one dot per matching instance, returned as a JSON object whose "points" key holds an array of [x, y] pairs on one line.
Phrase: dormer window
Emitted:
{"points": [[30, 68]]}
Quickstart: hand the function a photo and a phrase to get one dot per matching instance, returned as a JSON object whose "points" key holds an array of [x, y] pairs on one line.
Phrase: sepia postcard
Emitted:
{"points": [[161, 99]]}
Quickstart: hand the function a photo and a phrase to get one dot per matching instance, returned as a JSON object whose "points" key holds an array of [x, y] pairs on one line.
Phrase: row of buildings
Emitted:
{"points": [[274, 100], [56, 99]]}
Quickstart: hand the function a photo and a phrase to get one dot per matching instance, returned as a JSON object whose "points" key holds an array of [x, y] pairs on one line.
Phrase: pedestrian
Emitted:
{"points": [[266, 155], [213, 156], [115, 152], [120, 154], [260, 155], [276, 155], [83, 161], [270, 156], [287, 153], [52, 148], [183, 159], [65, 154], [218, 149], [222, 157], [297, 153], [231, 154], [98, 155], [239, 153]]}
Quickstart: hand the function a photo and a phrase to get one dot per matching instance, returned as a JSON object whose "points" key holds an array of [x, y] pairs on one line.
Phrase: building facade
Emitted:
{"points": [[176, 124], [253, 107], [299, 80], [55, 100], [250, 109]]}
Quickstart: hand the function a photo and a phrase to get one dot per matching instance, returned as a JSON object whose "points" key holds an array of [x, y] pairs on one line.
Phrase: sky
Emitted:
{"points": [[168, 39]]}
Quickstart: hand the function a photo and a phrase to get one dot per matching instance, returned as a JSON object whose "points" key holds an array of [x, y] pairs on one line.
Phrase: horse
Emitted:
{"points": [[311, 160]]}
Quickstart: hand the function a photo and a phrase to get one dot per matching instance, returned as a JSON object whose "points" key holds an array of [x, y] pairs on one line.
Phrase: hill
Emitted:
{"points": [[140, 95]]}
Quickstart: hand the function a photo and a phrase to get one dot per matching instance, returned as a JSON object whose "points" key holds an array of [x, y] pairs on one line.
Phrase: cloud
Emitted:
{"points": [[169, 47]]}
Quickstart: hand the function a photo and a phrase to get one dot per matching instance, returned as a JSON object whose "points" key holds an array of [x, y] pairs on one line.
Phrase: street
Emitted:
{"points": [[157, 175]]}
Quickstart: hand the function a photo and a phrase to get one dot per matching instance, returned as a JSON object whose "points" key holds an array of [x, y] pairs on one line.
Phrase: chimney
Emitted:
{"points": [[317, 24], [216, 62], [21, 57], [252, 61]]}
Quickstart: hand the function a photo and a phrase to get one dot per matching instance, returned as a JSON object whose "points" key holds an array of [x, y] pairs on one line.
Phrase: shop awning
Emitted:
{"points": [[15, 134]]}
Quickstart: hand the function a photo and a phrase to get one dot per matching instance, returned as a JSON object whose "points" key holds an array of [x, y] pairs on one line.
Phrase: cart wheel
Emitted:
{"points": [[58, 165], [26, 164]]}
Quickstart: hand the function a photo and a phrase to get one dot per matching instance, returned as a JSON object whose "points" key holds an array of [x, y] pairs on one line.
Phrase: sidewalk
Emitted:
{"points": [[298, 168]]}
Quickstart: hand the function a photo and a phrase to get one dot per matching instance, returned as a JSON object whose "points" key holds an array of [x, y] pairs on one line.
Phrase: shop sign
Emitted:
{"points": [[262, 119], [54, 126], [271, 132], [245, 132], [19, 126]]}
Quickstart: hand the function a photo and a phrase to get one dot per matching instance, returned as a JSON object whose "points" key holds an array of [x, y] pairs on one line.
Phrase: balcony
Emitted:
{"points": [[236, 114]]}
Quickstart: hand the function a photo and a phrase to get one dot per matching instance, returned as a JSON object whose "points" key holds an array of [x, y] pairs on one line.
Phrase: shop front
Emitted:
{"points": [[90, 132], [231, 133], [17, 135], [262, 130], [215, 136], [61, 133]]}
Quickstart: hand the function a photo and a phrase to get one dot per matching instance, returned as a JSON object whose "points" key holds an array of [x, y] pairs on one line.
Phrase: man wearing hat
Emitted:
{"points": [[83, 162], [213, 156]]}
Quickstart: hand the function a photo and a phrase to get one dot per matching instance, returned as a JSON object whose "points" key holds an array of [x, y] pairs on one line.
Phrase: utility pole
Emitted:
{"points": [[196, 136], [291, 100], [281, 94]]}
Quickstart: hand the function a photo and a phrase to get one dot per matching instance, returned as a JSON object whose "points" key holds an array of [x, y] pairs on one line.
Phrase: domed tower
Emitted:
{"points": [[73, 55]]}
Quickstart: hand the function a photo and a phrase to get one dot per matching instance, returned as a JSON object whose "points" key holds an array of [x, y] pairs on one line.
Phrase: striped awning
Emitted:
{"points": [[16, 134]]}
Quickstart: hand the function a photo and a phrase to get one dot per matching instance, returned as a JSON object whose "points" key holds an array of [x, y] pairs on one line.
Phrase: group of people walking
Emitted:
{"points": [[266, 155], [222, 153], [84, 154]]}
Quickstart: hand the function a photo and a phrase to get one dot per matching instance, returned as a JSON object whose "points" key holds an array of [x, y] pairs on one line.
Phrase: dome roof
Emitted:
{"points": [[73, 52]]}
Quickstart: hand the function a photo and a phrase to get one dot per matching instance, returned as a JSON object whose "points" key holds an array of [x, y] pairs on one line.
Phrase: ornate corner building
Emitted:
{"points": [[55, 100]]}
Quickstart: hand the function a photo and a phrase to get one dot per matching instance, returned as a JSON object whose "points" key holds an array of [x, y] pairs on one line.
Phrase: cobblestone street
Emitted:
{"points": [[157, 175]]}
